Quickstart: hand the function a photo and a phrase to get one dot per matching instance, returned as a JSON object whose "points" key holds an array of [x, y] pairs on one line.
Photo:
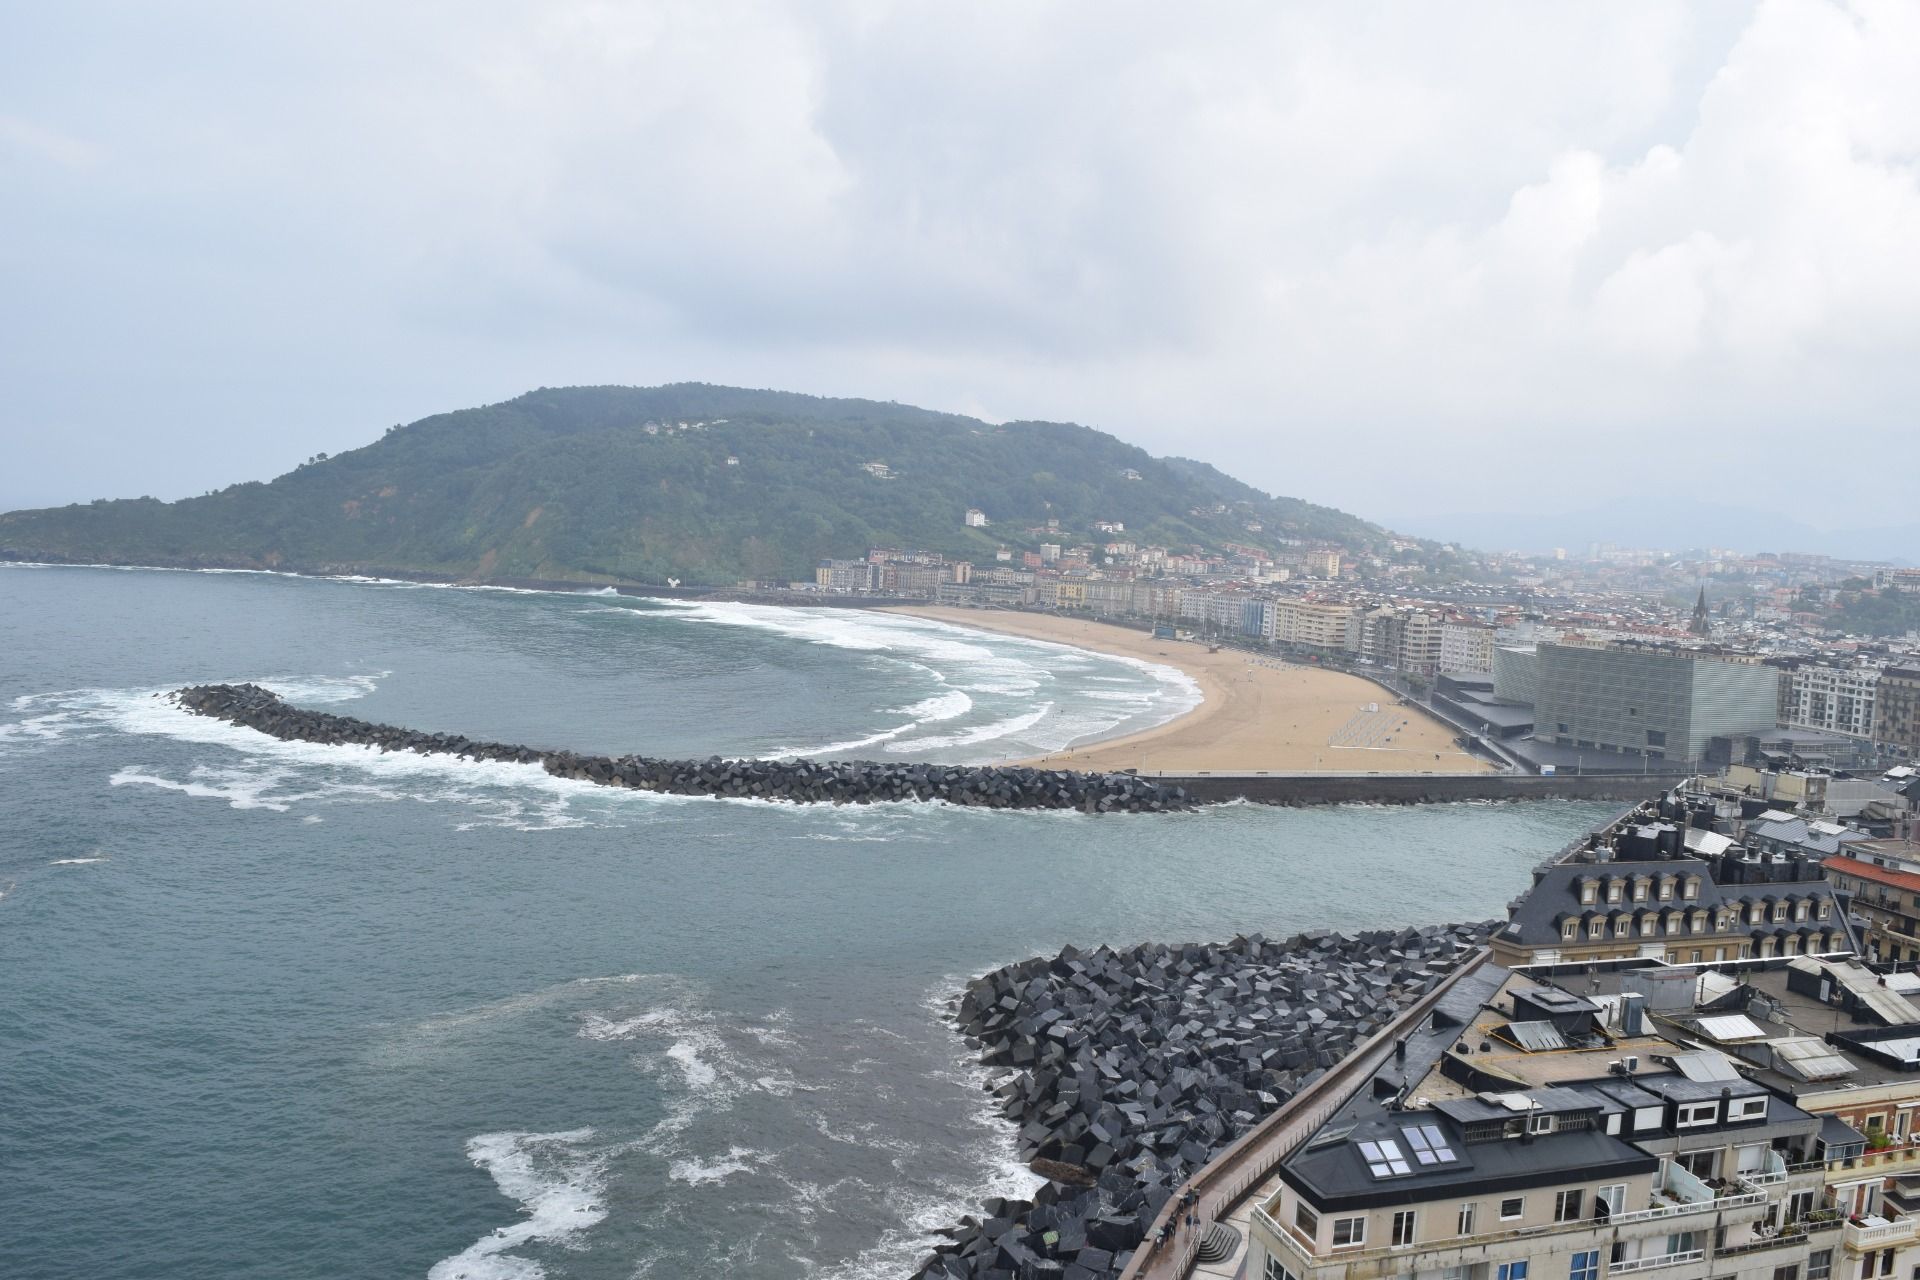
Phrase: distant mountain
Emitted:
{"points": [[703, 483], [1673, 522]]}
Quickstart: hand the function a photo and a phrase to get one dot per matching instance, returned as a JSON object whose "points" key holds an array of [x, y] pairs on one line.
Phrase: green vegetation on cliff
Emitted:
{"points": [[703, 483]]}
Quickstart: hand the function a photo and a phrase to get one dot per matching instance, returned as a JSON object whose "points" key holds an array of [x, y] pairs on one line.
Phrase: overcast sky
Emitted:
{"points": [[1402, 259]]}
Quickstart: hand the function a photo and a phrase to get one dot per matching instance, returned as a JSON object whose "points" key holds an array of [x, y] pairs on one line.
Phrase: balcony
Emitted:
{"points": [[1657, 1260], [1878, 1233]]}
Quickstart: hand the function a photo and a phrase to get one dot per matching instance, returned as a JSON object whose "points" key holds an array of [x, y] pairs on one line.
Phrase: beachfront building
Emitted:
{"points": [[1524, 1132], [1655, 701], [1466, 646], [1313, 624], [1661, 884]]}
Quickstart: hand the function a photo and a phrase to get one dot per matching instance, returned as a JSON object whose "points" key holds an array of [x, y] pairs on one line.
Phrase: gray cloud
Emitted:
{"points": [[1348, 252]]}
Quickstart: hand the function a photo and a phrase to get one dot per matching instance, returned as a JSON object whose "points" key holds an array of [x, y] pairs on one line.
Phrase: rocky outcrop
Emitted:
{"points": [[1129, 1070], [802, 781]]}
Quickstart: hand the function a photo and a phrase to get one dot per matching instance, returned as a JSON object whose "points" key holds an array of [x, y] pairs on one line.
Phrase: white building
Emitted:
{"points": [[1466, 646], [976, 518], [1836, 699]]}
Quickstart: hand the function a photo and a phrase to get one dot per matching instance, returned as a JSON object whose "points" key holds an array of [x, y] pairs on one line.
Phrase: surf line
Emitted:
{"points": [[798, 781]]}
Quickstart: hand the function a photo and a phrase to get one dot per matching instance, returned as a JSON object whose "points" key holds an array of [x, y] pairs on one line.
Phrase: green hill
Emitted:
{"points": [[635, 484]]}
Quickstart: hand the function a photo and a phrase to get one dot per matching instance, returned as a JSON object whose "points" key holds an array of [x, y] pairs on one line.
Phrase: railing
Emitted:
{"points": [[1860, 1237], [1693, 1206], [1480, 1238], [1658, 1260]]}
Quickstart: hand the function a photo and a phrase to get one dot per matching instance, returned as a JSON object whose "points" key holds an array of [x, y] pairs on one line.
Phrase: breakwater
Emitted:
{"points": [[1129, 1070], [799, 781]]}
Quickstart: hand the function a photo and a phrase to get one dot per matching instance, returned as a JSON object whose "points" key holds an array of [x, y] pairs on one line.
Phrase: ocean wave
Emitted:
{"points": [[557, 1187], [1010, 727]]}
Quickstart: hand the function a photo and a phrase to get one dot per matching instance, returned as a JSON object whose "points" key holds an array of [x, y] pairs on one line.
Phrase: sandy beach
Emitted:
{"points": [[1257, 712]]}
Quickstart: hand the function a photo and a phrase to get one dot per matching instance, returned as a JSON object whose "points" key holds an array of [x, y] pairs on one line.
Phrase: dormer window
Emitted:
{"points": [[1588, 891], [1622, 925], [1800, 909], [1639, 888], [1538, 1123], [1820, 908], [1614, 890], [1694, 1114], [1666, 888], [1779, 912], [1570, 930], [1647, 924], [1597, 927], [1691, 889]]}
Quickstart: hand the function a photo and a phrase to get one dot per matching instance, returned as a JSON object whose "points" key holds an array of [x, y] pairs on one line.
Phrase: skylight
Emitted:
{"points": [[1429, 1145], [1384, 1159]]}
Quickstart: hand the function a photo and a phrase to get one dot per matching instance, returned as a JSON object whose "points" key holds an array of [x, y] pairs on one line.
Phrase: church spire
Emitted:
{"points": [[1701, 626]]}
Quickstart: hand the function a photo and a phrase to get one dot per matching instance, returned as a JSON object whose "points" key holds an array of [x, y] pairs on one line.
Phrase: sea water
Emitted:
{"points": [[276, 1009]]}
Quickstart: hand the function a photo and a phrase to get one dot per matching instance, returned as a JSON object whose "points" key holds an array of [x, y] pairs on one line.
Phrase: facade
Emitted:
{"points": [[1466, 646], [1309, 624], [976, 518], [1882, 878], [1896, 723], [1528, 1133], [1836, 699], [1657, 701]]}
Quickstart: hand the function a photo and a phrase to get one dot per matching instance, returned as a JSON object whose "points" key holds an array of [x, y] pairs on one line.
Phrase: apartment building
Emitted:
{"points": [[1525, 1132], [1466, 646], [1882, 878], [1835, 699], [1896, 717], [1313, 624]]}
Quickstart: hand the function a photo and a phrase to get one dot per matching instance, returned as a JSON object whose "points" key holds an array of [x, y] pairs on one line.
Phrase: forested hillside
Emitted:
{"points": [[703, 483]]}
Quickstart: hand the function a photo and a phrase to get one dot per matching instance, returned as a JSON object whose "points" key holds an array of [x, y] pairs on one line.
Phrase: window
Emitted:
{"points": [[1656, 737], [1749, 1109], [1384, 1159], [1692, 889], [1666, 889], [1274, 1271], [1467, 1214], [1799, 1205], [1585, 1266], [1613, 891], [1612, 1199], [1587, 891], [1403, 1224], [1820, 1264], [1348, 1232], [1570, 929], [1694, 1114], [1566, 1205], [1512, 1270], [1786, 1273], [1539, 1124], [1511, 1209], [1306, 1220], [1886, 1262]]}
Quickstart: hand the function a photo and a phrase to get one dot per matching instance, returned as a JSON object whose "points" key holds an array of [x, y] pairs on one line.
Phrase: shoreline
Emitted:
{"points": [[1256, 713]]}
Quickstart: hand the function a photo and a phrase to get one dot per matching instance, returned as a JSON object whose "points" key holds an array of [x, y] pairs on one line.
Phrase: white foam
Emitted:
{"points": [[558, 1189], [1008, 728], [695, 1173], [75, 862]]}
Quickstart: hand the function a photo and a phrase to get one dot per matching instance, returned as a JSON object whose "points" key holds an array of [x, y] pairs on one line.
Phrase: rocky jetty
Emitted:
{"points": [[802, 781], [1129, 1070]]}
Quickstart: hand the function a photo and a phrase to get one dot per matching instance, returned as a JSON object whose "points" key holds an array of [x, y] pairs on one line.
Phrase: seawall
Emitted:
{"points": [[1409, 788], [796, 781]]}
